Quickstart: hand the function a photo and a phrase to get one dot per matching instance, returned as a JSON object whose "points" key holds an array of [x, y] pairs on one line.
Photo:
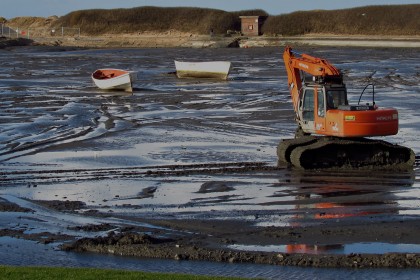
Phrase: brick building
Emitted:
{"points": [[251, 25]]}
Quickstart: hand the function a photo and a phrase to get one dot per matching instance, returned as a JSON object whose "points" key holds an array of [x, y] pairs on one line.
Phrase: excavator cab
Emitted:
{"points": [[316, 101]]}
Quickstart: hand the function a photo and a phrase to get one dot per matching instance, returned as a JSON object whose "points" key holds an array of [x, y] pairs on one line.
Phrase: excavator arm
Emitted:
{"points": [[312, 65], [321, 69]]}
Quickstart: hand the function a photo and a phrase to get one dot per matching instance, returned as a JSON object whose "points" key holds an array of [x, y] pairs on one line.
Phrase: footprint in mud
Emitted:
{"points": [[109, 123], [214, 186], [147, 192], [92, 227]]}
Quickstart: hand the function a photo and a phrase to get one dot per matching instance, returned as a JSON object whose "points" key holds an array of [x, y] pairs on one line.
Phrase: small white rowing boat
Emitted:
{"points": [[114, 79], [208, 69]]}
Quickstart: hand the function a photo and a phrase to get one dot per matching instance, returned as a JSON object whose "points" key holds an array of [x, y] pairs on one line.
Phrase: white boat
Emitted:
{"points": [[208, 69], [114, 79]]}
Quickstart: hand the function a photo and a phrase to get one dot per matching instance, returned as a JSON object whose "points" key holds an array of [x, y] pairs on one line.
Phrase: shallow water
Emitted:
{"points": [[46, 255], [62, 138], [359, 248]]}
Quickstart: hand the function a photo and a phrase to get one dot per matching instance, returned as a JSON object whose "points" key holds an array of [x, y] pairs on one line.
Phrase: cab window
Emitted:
{"points": [[308, 105], [321, 110], [336, 98]]}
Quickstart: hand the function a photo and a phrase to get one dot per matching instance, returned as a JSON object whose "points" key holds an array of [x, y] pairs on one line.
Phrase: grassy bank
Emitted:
{"points": [[46, 273], [141, 19], [371, 20]]}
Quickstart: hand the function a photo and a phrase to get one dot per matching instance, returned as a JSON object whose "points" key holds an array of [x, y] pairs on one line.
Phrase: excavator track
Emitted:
{"points": [[311, 152], [286, 146]]}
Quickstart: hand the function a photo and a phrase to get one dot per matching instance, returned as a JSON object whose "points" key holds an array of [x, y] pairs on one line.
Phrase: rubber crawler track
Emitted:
{"points": [[311, 152]]}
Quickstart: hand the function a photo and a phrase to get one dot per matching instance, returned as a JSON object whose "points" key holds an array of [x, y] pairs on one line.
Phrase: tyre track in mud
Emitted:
{"points": [[68, 175], [64, 134], [20, 177], [26, 148]]}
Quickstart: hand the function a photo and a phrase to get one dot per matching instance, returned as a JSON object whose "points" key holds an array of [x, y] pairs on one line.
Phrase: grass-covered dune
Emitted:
{"points": [[370, 20], [194, 20]]}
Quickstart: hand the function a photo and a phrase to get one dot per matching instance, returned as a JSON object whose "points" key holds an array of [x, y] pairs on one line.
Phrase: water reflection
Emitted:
{"points": [[45, 255], [339, 195], [114, 93], [323, 197], [352, 248], [312, 249]]}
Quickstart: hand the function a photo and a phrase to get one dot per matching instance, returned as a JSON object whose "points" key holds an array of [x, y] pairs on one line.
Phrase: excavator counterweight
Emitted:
{"points": [[333, 130]]}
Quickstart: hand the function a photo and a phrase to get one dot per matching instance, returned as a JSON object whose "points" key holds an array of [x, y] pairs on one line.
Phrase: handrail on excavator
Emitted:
{"points": [[373, 94]]}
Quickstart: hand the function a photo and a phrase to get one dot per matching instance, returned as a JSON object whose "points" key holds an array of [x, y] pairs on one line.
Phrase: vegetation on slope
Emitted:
{"points": [[370, 20], [33, 22], [194, 20]]}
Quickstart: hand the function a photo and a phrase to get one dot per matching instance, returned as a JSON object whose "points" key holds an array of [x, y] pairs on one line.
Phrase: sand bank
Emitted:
{"points": [[186, 40]]}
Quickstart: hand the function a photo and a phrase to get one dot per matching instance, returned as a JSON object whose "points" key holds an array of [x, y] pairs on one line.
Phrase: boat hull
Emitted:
{"points": [[114, 79], [209, 70]]}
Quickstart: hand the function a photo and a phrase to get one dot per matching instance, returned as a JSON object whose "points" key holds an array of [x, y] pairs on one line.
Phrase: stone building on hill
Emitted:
{"points": [[251, 25]]}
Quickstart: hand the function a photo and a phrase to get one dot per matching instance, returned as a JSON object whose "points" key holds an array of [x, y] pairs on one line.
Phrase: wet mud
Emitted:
{"points": [[147, 246], [6, 206], [10, 43], [188, 169]]}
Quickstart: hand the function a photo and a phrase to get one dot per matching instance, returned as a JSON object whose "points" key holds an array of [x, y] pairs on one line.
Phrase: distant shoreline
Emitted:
{"points": [[163, 40]]}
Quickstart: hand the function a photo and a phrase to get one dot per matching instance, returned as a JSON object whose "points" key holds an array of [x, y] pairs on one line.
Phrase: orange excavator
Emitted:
{"points": [[322, 109]]}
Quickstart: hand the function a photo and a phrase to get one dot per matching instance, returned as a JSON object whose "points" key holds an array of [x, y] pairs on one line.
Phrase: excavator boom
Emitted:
{"points": [[317, 67], [312, 65]]}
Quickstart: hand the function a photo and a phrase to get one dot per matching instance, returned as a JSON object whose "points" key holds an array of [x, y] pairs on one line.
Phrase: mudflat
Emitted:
{"points": [[187, 169]]}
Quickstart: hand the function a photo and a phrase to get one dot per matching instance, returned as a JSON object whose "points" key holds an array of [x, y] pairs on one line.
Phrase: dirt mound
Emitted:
{"points": [[6, 42], [32, 22], [143, 245]]}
